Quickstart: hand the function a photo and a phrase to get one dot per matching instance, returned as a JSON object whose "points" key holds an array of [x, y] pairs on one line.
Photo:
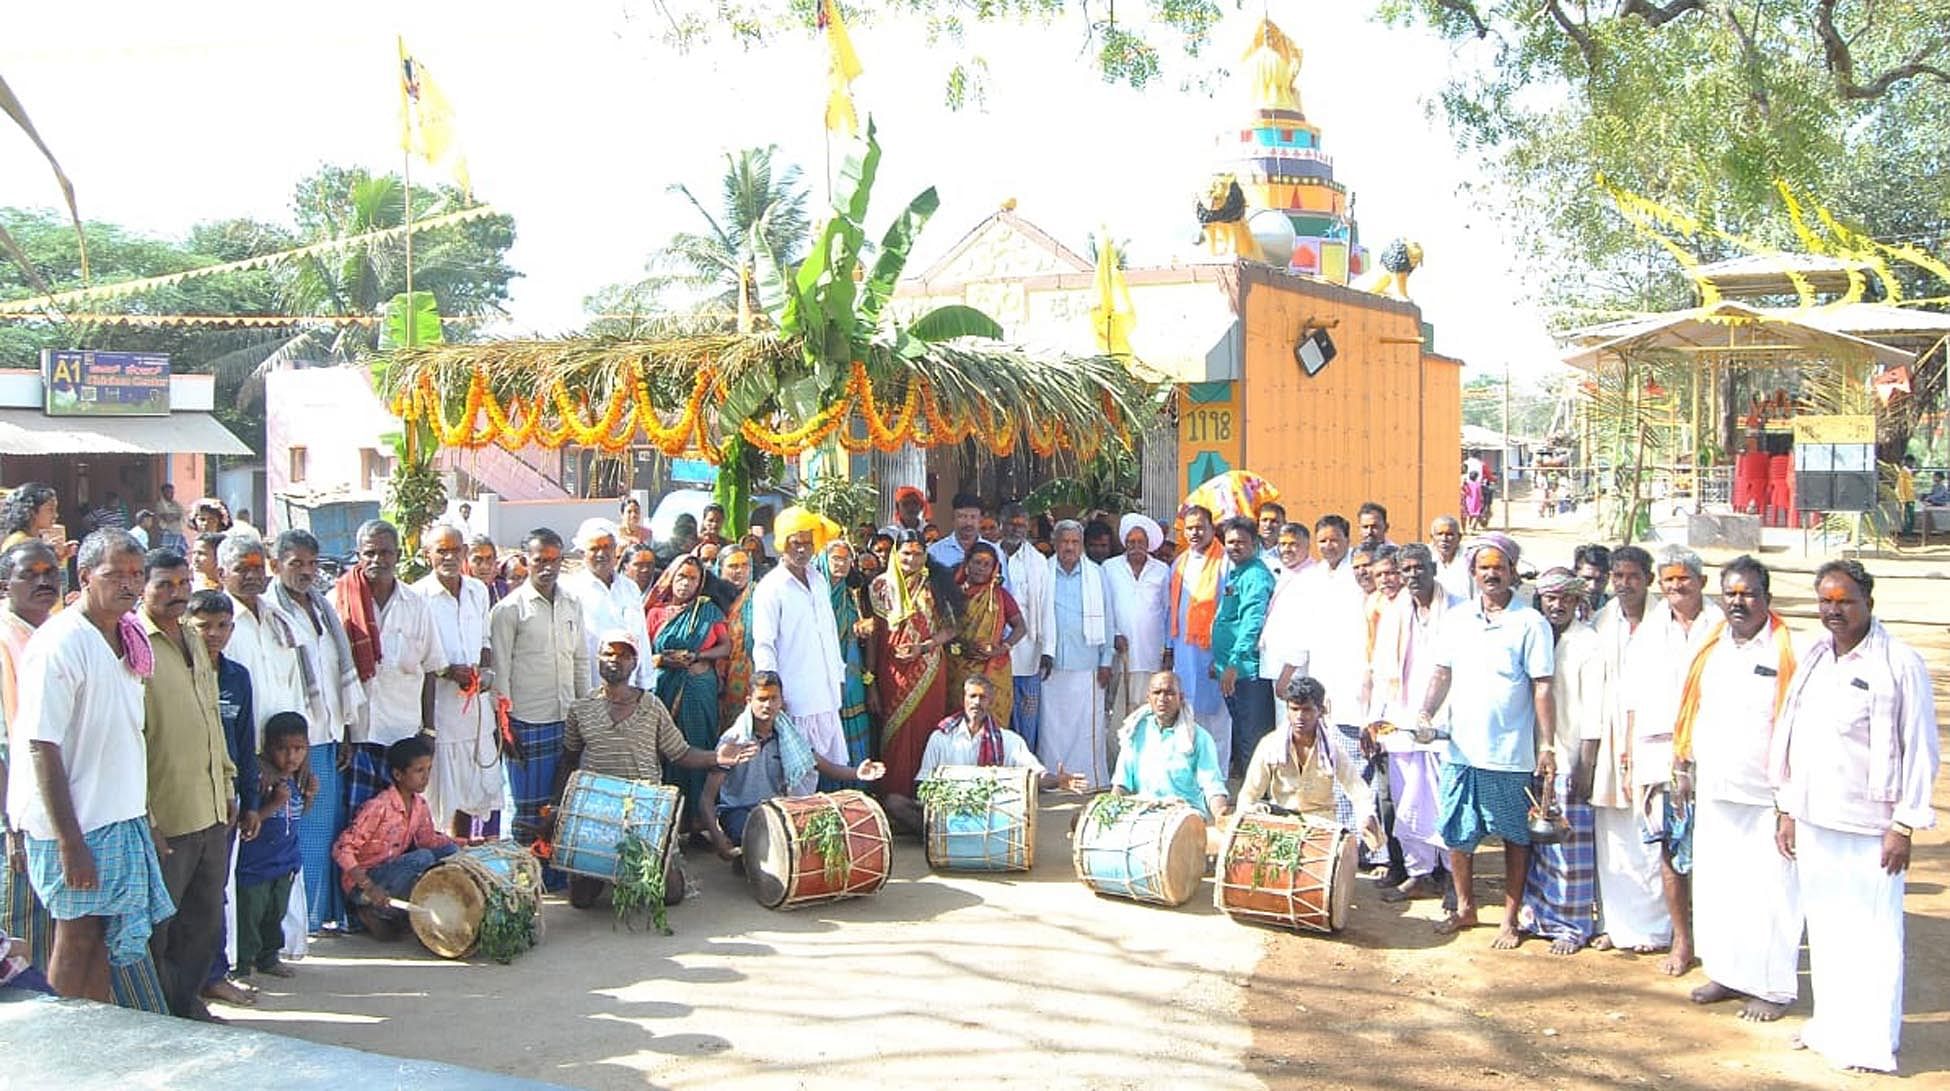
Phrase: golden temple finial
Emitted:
{"points": [[1275, 61]]}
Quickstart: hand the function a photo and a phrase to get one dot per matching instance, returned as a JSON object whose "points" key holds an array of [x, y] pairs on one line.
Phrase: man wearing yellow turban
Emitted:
{"points": [[794, 634]]}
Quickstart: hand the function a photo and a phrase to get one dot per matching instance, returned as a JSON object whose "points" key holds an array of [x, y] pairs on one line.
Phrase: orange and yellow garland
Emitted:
{"points": [[920, 419]]}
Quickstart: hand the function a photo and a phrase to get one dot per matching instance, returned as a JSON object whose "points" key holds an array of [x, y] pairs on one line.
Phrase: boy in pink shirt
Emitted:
{"points": [[392, 842]]}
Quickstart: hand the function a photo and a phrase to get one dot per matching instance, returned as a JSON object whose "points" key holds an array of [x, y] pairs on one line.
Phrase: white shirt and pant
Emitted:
{"points": [[615, 605], [1854, 751], [1026, 574], [1404, 662], [467, 776], [795, 634], [1139, 600]]}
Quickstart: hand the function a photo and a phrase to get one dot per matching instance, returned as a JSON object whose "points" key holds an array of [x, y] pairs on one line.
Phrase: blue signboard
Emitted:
{"points": [[86, 383]]}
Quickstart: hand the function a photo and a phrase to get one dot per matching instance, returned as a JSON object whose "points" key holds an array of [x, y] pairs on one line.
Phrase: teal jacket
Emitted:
{"points": [[1242, 614]]}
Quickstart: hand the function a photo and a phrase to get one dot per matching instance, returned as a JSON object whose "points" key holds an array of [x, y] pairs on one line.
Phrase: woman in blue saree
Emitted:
{"points": [[687, 639]]}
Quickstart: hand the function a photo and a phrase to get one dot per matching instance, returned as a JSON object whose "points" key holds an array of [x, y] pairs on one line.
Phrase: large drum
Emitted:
{"points": [[818, 848], [980, 818], [1294, 872], [496, 886], [598, 812], [1148, 850]]}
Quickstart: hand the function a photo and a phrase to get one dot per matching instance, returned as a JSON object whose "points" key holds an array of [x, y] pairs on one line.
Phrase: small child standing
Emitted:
{"points": [[392, 842], [268, 863], [212, 619]]}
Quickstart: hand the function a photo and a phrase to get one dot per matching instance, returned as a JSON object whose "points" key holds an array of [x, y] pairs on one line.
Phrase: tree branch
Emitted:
{"points": [[1841, 62], [1579, 33], [1656, 15], [1467, 10]]}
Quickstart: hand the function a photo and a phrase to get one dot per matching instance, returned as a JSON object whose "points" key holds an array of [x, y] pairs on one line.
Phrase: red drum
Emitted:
{"points": [[1293, 872], [819, 848]]}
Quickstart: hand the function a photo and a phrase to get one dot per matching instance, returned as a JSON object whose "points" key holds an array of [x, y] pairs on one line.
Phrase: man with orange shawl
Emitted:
{"points": [[1192, 605], [1746, 901], [912, 680]]}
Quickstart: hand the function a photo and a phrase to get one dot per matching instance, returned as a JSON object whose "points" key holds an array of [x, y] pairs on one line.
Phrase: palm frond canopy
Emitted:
{"points": [[690, 393]]}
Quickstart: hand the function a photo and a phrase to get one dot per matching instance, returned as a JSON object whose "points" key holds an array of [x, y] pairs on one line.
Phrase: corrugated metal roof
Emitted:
{"points": [[31, 432]]}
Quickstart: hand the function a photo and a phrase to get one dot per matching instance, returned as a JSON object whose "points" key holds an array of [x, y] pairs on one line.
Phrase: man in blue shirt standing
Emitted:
{"points": [[1494, 662], [1235, 642], [1077, 650]]}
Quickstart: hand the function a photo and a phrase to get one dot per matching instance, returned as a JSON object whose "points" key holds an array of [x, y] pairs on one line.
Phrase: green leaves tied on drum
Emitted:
{"points": [[1275, 850], [825, 834], [507, 925], [959, 796], [639, 889]]}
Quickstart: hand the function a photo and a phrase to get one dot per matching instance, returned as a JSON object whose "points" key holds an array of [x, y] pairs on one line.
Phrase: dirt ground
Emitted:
{"points": [[1030, 980], [1389, 1004]]}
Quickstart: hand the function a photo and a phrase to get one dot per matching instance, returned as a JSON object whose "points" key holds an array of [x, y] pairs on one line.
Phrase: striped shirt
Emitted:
{"points": [[635, 748]]}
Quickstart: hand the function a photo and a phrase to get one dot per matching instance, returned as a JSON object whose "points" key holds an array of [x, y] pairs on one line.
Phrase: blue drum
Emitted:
{"points": [[980, 818], [598, 812], [1147, 850]]}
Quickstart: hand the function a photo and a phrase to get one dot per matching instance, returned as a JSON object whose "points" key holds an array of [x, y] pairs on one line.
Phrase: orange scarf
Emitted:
{"points": [[1682, 732], [1196, 625]]}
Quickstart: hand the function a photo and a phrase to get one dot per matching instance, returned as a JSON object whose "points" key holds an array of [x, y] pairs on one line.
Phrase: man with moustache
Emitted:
{"points": [[1027, 575], [1235, 645], [609, 600], [407, 658], [1746, 902], [1451, 569], [1560, 897], [1333, 604], [465, 792], [1404, 662], [1192, 604], [192, 783], [1853, 759]]}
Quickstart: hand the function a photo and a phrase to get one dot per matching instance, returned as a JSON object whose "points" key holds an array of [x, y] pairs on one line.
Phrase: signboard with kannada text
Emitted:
{"points": [[87, 383]]}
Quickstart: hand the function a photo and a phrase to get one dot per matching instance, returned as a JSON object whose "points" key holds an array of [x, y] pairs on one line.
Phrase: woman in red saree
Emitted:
{"points": [[990, 625], [912, 678]]}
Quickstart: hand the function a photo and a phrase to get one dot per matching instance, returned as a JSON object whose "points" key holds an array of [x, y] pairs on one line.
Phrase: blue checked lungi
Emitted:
{"points": [[1479, 803], [1560, 894], [318, 828], [1026, 717], [531, 780], [130, 892], [366, 777], [1348, 738], [1674, 830], [136, 986]]}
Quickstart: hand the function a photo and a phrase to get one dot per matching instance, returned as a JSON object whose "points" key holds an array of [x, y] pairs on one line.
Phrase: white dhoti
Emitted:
{"points": [[467, 777], [1631, 884], [826, 734], [1073, 732], [1415, 780], [1746, 908], [1130, 691], [1855, 947]]}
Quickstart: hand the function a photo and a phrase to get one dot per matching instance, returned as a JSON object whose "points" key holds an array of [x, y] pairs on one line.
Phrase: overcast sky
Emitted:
{"points": [[575, 120]]}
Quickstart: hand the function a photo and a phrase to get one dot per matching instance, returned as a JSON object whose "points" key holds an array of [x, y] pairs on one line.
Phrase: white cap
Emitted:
{"points": [[617, 636], [592, 529]]}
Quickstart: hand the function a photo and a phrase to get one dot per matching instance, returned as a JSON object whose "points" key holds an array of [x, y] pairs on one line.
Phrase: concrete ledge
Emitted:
{"points": [[79, 1044]]}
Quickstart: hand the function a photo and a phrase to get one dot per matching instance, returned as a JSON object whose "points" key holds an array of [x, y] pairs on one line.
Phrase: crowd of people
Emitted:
{"points": [[1666, 769]]}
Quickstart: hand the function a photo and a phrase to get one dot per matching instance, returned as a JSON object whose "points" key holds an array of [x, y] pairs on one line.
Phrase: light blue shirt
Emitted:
{"points": [[1494, 662], [1157, 763], [1073, 652], [949, 552]]}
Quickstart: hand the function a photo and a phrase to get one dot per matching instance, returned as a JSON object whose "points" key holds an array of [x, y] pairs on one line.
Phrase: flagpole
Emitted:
{"points": [[411, 315]]}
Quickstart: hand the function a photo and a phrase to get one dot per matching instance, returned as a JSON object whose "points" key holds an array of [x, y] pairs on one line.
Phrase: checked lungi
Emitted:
{"points": [[366, 776], [1025, 718], [1480, 803], [136, 985], [130, 892], [531, 779], [318, 828], [1560, 894]]}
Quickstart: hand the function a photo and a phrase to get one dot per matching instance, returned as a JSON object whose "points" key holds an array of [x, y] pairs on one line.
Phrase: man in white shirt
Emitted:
{"points": [[1336, 643], [1403, 664], [1853, 760], [794, 632], [1076, 661], [972, 737], [1451, 568], [82, 795], [609, 599], [1282, 643], [1026, 573], [1139, 586], [1560, 893], [1675, 629], [465, 793], [1631, 885], [1746, 902], [535, 634], [409, 655], [334, 697]]}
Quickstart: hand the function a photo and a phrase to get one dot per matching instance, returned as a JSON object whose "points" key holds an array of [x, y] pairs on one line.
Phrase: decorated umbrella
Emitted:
{"points": [[1235, 492]]}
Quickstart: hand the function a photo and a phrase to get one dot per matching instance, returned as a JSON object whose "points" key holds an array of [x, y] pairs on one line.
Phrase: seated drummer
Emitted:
{"points": [[392, 841], [1164, 754], [784, 764], [972, 737], [1294, 771], [626, 732]]}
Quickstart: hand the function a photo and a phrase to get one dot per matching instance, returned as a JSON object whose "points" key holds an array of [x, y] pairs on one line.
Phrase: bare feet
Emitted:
{"points": [[1648, 949], [278, 969], [1566, 945], [1677, 963], [1507, 938], [229, 992], [1756, 1010], [1712, 993], [1422, 886], [1456, 922], [1602, 942]]}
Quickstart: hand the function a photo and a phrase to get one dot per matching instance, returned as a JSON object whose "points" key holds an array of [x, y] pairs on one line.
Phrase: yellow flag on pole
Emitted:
{"points": [[842, 68], [1113, 317], [427, 127]]}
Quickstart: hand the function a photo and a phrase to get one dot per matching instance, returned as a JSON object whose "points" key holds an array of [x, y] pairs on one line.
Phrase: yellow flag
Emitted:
{"points": [[842, 68], [427, 122], [1113, 317]]}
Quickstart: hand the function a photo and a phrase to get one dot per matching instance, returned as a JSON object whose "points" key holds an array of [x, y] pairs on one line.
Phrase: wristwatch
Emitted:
{"points": [[1901, 828]]}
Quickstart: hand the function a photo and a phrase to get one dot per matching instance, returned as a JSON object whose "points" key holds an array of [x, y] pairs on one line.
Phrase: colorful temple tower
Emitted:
{"points": [[1280, 166]]}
